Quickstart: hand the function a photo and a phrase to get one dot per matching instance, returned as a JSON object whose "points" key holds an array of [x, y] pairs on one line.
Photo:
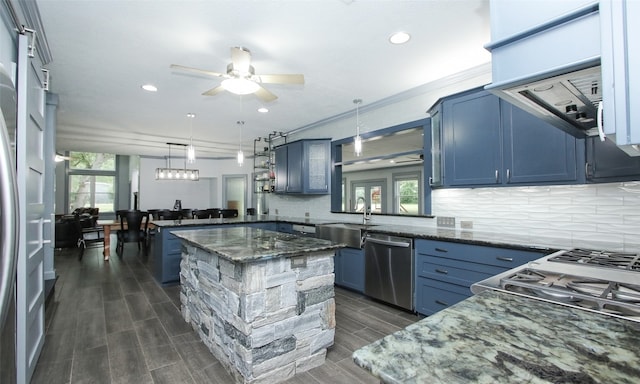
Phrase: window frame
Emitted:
{"points": [[403, 176], [69, 172]]}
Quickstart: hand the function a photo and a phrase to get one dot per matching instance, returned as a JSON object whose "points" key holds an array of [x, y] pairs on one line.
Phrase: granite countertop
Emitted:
{"points": [[525, 242], [496, 337], [246, 244]]}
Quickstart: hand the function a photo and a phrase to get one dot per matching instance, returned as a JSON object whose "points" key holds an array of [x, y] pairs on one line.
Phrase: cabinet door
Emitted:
{"points": [[472, 145], [606, 162], [316, 166], [281, 169], [535, 151], [294, 167], [349, 268]]}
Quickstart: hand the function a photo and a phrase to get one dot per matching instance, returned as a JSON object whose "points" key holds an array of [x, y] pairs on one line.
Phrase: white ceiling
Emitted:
{"points": [[103, 51]]}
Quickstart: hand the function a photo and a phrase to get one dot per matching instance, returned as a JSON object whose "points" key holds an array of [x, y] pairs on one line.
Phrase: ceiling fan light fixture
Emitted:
{"points": [[240, 86]]}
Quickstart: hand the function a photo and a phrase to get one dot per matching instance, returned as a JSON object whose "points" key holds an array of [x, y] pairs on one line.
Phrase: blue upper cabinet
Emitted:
{"points": [[487, 141], [302, 167], [471, 138], [535, 151], [606, 162]]}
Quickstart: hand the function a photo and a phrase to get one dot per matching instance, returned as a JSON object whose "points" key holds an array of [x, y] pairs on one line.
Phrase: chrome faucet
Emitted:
{"points": [[366, 211], [366, 215]]}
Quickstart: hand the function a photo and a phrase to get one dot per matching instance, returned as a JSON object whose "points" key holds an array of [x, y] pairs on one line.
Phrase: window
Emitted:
{"points": [[407, 194], [92, 181]]}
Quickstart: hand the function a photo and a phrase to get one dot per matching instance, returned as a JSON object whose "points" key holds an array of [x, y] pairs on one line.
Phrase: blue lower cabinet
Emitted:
{"points": [[433, 296], [349, 268], [445, 271]]}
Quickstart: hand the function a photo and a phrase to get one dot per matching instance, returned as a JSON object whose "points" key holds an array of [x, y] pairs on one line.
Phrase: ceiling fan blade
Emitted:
{"points": [[213, 91], [265, 95], [241, 59], [281, 79], [196, 70]]}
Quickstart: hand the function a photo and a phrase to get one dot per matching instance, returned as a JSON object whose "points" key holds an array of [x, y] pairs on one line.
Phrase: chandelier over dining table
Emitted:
{"points": [[169, 173]]}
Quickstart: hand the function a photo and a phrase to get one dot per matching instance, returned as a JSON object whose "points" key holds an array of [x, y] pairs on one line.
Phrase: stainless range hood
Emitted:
{"points": [[569, 101]]}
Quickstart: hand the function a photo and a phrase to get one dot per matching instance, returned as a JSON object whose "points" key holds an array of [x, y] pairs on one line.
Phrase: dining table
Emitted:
{"points": [[109, 225]]}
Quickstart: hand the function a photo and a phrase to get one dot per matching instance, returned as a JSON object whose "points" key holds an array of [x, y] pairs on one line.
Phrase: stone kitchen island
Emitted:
{"points": [[261, 301], [496, 337]]}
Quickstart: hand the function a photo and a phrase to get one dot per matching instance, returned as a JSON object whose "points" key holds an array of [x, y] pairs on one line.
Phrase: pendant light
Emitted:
{"points": [[357, 142], [191, 150], [240, 153]]}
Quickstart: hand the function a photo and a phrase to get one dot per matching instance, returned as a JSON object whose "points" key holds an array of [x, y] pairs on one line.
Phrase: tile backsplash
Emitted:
{"points": [[608, 212]]}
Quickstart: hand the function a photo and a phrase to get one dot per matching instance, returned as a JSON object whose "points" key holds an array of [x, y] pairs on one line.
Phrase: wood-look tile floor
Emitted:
{"points": [[111, 323]]}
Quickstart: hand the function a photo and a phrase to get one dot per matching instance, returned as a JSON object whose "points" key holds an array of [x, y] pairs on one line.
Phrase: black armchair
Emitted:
{"points": [[136, 224]]}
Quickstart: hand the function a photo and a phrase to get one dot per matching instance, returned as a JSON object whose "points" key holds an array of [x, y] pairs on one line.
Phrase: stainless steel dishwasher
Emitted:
{"points": [[388, 266]]}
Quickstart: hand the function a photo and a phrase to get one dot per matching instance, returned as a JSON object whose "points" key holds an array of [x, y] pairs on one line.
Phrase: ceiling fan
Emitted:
{"points": [[241, 78]]}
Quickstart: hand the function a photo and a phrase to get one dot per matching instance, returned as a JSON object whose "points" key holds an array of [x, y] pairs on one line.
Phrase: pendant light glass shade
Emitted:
{"points": [[191, 150], [357, 142], [240, 153]]}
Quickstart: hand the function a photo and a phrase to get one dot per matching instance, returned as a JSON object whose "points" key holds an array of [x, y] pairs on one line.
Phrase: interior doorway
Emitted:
{"points": [[234, 192]]}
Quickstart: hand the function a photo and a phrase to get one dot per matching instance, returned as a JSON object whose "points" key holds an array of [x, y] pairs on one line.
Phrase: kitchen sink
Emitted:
{"points": [[350, 234]]}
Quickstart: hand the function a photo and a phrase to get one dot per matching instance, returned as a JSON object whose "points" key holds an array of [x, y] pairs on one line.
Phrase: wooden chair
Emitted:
{"points": [[137, 223]]}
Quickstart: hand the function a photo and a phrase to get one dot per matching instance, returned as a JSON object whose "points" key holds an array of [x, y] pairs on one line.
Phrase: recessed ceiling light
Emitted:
{"points": [[399, 38], [150, 88], [263, 110]]}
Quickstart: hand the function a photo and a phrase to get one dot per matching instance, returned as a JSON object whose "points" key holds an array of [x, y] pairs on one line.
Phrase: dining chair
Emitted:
{"points": [[136, 223], [202, 213]]}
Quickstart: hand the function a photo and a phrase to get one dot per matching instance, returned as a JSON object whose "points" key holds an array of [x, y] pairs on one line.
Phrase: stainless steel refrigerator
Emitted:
{"points": [[8, 229]]}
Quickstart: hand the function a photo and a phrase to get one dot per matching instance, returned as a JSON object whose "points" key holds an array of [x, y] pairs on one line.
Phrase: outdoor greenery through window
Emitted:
{"points": [[92, 178], [407, 196]]}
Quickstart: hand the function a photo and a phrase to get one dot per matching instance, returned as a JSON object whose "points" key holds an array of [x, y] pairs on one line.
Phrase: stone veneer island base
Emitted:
{"points": [[262, 301]]}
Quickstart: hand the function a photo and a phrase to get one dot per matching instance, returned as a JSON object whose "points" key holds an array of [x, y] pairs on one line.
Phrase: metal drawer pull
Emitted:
{"points": [[442, 303], [441, 250], [509, 259], [443, 271]]}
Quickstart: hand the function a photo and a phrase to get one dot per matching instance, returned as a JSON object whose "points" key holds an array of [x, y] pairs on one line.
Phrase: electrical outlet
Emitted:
{"points": [[276, 211], [466, 224], [445, 221], [306, 214]]}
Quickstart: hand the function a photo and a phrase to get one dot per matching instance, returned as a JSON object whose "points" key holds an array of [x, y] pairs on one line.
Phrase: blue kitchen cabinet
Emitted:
{"points": [[445, 271], [471, 135], [284, 227], [349, 268], [607, 163], [535, 151], [488, 142], [303, 167]]}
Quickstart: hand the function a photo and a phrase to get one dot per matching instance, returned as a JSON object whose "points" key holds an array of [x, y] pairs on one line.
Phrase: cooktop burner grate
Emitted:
{"points": [[617, 299], [618, 260]]}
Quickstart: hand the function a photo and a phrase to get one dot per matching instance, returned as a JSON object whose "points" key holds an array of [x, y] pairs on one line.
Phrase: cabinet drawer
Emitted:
{"points": [[453, 271], [499, 257], [433, 296]]}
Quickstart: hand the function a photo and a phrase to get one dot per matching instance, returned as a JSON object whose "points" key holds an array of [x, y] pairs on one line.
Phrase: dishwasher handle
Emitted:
{"points": [[399, 244]]}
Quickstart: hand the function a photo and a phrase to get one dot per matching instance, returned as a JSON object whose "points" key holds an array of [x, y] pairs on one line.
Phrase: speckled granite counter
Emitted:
{"points": [[496, 337], [246, 244]]}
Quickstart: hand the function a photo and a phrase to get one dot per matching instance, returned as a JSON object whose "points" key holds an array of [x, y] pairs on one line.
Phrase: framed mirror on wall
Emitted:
{"points": [[389, 175]]}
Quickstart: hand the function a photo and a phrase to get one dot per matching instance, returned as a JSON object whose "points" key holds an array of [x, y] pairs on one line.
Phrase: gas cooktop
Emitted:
{"points": [[600, 281]]}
